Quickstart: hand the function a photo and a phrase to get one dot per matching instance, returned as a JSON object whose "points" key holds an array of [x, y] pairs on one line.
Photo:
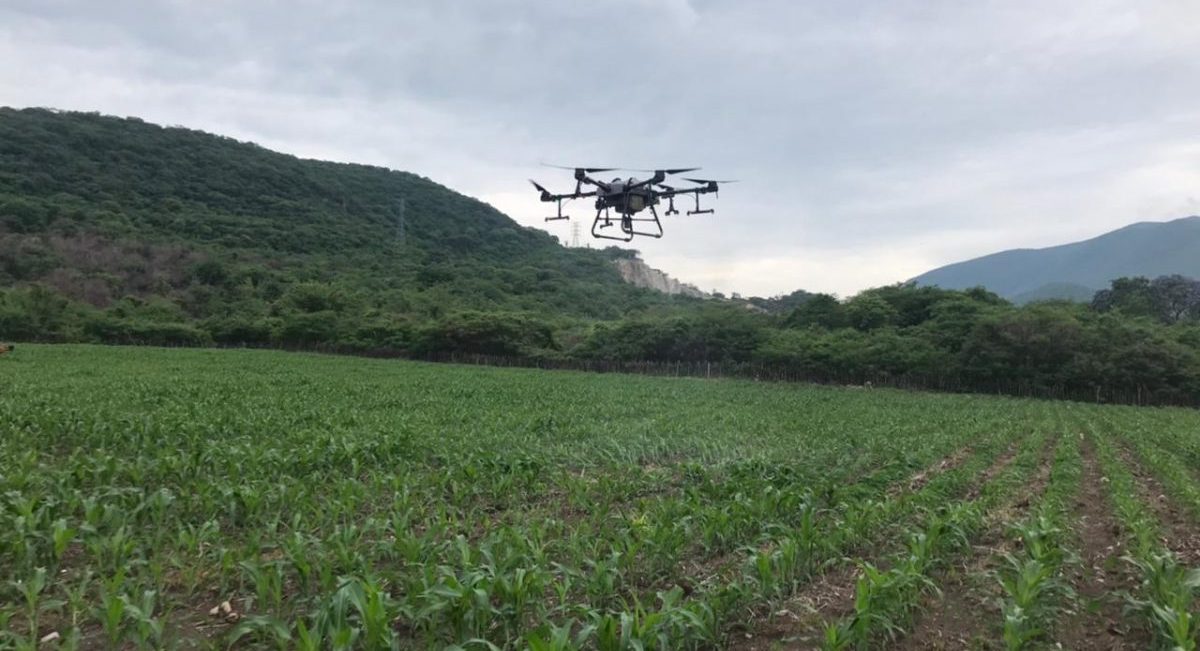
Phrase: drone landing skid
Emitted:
{"points": [[698, 211], [559, 216], [626, 226]]}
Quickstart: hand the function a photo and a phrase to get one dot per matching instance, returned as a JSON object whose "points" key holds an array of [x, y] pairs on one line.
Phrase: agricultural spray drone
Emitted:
{"points": [[628, 197]]}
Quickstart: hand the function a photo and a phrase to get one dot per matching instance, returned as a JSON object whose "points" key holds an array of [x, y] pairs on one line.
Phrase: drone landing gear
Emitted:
{"points": [[602, 216], [627, 225], [671, 206], [560, 216], [697, 211]]}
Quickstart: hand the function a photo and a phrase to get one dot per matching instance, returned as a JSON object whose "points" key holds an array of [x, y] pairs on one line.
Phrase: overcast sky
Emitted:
{"points": [[873, 140]]}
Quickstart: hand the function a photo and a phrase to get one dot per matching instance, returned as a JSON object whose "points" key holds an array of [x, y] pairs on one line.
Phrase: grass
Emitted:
{"points": [[205, 499]]}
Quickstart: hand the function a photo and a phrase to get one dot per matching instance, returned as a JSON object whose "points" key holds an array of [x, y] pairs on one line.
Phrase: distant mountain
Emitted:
{"points": [[1075, 271]]}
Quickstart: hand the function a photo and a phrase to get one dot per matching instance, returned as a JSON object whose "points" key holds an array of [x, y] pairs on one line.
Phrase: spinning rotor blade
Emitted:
{"points": [[585, 170], [669, 172], [708, 181], [546, 196]]}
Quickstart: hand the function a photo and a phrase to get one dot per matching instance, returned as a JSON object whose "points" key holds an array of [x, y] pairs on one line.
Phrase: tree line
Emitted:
{"points": [[1141, 336]]}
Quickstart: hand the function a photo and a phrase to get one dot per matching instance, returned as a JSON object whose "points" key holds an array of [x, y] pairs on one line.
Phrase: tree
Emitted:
{"points": [[952, 320], [211, 272], [868, 311], [912, 304], [35, 313], [489, 333], [1176, 297], [1033, 346], [821, 310], [1131, 296]]}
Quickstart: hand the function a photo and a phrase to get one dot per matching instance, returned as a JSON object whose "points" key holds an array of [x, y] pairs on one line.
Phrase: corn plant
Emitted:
{"points": [[352, 504], [1166, 597]]}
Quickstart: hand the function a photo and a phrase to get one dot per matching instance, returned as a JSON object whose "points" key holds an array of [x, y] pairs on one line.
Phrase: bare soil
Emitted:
{"points": [[962, 617], [1099, 623], [918, 481], [1181, 532], [799, 623]]}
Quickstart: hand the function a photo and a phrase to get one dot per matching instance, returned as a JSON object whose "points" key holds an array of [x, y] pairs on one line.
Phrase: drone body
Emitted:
{"points": [[628, 197]]}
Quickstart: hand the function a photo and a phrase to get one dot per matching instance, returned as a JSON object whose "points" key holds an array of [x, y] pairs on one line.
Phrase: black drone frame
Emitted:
{"points": [[628, 219]]}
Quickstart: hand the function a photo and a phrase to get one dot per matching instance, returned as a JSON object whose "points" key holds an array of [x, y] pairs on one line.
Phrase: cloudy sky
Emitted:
{"points": [[873, 140]]}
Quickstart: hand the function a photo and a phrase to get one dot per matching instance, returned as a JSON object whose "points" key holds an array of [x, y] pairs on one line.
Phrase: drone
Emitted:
{"points": [[628, 197]]}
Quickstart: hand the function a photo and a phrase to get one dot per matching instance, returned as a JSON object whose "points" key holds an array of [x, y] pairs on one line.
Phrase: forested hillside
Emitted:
{"points": [[100, 208]]}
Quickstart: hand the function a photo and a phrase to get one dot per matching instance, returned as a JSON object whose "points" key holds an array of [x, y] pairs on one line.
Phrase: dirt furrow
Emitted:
{"points": [[958, 619], [918, 480], [799, 623], [1099, 623], [1181, 534]]}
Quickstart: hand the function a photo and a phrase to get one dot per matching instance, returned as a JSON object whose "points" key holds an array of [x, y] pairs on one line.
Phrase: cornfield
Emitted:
{"points": [[251, 499]]}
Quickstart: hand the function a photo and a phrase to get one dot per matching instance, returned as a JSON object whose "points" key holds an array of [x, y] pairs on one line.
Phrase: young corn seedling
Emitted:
{"points": [[559, 638], [267, 579], [35, 602], [1033, 583], [1167, 596], [147, 630], [111, 611]]}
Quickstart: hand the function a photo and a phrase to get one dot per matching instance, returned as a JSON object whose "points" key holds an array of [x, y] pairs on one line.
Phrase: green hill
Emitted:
{"points": [[177, 225], [1077, 270]]}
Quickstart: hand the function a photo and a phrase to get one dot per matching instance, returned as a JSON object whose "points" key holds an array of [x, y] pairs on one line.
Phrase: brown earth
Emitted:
{"points": [[695, 573], [1099, 623], [799, 624], [1181, 533], [959, 619], [918, 481]]}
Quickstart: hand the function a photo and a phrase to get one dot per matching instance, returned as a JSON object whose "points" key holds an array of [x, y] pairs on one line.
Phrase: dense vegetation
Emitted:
{"points": [[118, 231], [255, 499], [204, 227]]}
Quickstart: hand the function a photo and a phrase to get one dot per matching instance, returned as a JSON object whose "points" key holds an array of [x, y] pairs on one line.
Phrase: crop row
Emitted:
{"points": [[200, 498]]}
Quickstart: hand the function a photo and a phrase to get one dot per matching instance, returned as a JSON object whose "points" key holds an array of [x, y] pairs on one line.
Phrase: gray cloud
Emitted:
{"points": [[874, 139]]}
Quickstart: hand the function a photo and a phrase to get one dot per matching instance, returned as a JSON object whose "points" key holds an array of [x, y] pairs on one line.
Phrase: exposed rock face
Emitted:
{"points": [[638, 273]]}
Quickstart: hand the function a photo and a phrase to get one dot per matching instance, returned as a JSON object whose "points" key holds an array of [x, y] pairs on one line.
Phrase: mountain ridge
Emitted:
{"points": [[1139, 249]]}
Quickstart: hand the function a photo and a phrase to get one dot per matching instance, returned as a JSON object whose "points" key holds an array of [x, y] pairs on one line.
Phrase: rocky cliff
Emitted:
{"points": [[638, 273]]}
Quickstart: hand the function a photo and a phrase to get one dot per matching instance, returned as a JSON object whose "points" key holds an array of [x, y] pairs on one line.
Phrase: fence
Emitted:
{"points": [[768, 372]]}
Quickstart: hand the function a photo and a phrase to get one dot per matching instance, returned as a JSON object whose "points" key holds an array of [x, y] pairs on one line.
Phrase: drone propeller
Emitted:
{"points": [[586, 170], [710, 181], [544, 191], [669, 172]]}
